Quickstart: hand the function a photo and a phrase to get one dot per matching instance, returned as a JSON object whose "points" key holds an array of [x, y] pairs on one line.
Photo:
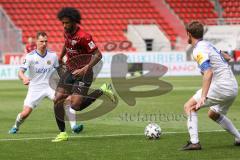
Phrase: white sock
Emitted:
{"points": [[71, 113], [227, 124], [18, 121], [192, 123]]}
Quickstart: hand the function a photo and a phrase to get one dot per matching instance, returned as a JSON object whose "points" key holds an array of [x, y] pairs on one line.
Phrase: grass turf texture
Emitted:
{"points": [[119, 133]]}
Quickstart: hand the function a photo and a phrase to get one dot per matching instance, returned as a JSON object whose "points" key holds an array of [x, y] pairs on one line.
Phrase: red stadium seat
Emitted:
{"points": [[105, 19], [190, 10], [231, 10]]}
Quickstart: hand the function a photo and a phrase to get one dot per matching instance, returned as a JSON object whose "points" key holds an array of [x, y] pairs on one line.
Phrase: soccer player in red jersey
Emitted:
{"points": [[82, 55], [30, 46]]}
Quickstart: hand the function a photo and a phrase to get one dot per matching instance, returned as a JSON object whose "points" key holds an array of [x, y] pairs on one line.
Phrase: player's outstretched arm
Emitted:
{"points": [[22, 77]]}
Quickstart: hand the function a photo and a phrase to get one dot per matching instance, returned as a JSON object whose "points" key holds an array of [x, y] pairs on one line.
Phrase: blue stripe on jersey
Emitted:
{"points": [[205, 65], [218, 51]]}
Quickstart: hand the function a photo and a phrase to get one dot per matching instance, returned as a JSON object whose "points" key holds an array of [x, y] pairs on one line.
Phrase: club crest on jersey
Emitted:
{"points": [[199, 58], [73, 42], [49, 62], [91, 45]]}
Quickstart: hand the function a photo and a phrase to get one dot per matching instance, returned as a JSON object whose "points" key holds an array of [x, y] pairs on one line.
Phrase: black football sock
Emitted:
{"points": [[59, 115], [91, 98]]}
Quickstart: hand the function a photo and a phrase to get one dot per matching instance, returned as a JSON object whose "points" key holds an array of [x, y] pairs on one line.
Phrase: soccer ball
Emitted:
{"points": [[152, 131]]}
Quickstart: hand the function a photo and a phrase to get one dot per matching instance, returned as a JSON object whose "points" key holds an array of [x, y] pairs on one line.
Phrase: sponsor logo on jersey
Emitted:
{"points": [[91, 45], [71, 51], [73, 42], [42, 70]]}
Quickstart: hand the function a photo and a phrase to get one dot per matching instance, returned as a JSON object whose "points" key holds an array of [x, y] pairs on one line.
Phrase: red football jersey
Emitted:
{"points": [[79, 49], [30, 47]]}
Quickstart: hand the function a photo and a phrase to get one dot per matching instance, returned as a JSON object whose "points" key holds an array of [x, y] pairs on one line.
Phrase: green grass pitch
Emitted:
{"points": [[117, 134]]}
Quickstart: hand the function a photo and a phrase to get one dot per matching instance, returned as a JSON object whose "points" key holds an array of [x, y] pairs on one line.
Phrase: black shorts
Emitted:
{"points": [[75, 85]]}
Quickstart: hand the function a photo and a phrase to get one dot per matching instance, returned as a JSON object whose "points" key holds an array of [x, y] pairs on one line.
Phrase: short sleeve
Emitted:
{"points": [[26, 62], [56, 63], [88, 43], [202, 58]]}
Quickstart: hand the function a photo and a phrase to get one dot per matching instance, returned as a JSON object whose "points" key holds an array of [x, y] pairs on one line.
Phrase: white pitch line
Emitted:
{"points": [[99, 136], [188, 88], [185, 88]]}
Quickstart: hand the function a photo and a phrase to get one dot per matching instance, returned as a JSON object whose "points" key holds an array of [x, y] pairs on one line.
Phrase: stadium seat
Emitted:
{"points": [[231, 10], [105, 19], [203, 10]]}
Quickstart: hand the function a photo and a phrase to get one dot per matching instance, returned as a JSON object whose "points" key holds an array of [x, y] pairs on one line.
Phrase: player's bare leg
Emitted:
{"points": [[26, 112], [89, 99], [105, 89], [80, 98], [20, 119], [76, 101], [80, 102], [192, 124]]}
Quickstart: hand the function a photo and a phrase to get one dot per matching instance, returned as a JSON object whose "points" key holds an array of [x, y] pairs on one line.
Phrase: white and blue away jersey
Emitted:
{"points": [[223, 81], [40, 67], [207, 56]]}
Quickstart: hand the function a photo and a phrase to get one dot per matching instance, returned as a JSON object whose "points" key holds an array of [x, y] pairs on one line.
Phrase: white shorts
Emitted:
{"points": [[220, 105], [36, 94]]}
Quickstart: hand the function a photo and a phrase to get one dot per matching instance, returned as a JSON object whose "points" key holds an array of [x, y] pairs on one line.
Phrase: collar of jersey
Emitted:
{"points": [[197, 42], [40, 54], [77, 28]]}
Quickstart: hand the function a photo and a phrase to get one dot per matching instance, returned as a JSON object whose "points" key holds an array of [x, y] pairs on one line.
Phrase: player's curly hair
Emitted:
{"points": [[72, 13]]}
